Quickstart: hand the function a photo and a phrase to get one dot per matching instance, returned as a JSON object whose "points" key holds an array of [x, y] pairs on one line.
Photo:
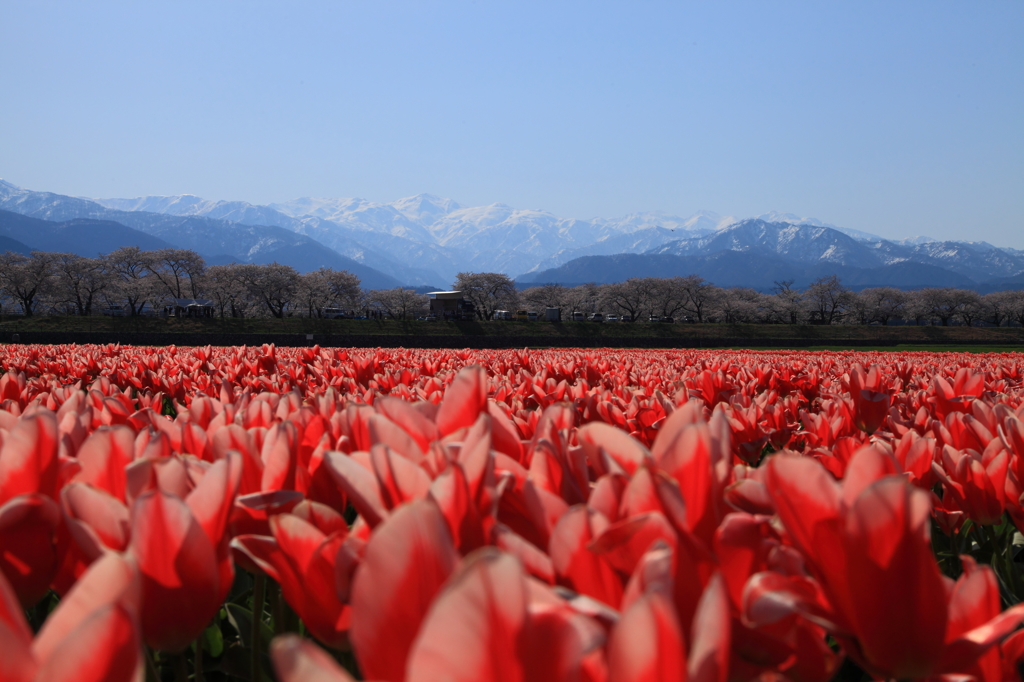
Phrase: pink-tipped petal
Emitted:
{"points": [[299, 660], [103, 648], [474, 630], [712, 634], [646, 644], [464, 400], [407, 560]]}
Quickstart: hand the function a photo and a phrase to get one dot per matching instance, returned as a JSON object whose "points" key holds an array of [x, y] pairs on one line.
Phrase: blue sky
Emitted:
{"points": [[895, 118]]}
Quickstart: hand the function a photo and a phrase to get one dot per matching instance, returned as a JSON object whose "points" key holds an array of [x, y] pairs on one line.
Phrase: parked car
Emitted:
{"points": [[654, 318], [503, 315], [531, 316], [522, 315], [597, 317], [579, 316], [333, 313], [611, 318]]}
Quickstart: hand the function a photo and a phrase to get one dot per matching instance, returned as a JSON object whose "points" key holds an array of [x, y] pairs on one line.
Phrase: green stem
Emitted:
{"points": [[258, 593], [197, 664], [152, 674], [1012, 574], [277, 608], [180, 668]]}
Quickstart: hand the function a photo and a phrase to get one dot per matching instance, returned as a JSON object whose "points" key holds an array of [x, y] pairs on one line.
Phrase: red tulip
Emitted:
{"points": [[29, 517], [308, 556], [647, 644], [492, 623], [92, 636], [868, 543], [95, 523], [575, 564], [870, 400], [976, 482], [182, 553], [407, 560]]}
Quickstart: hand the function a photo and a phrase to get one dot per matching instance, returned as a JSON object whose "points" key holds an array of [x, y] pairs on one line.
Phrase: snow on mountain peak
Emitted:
{"points": [[792, 219], [425, 209]]}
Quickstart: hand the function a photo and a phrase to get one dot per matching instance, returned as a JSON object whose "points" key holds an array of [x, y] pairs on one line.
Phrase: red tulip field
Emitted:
{"points": [[314, 514]]}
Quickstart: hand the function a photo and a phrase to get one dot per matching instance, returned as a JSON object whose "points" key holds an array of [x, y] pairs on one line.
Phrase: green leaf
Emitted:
{"points": [[241, 620], [213, 641]]}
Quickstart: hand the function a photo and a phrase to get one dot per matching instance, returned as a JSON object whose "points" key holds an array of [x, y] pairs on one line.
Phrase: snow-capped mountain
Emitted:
{"points": [[427, 240], [218, 240], [793, 219], [794, 242], [190, 205], [805, 243]]}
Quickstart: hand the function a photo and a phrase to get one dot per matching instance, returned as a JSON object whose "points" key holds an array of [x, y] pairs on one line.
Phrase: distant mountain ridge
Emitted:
{"points": [[979, 261], [425, 240], [217, 240], [755, 253], [429, 239], [83, 236]]}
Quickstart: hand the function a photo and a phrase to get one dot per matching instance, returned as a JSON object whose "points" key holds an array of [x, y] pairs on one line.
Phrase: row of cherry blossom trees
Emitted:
{"points": [[134, 282]]}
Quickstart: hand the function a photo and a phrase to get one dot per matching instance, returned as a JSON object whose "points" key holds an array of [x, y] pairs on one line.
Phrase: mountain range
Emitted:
{"points": [[756, 253], [425, 240]]}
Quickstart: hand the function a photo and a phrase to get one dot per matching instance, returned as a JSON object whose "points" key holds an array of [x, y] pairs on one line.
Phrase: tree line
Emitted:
{"points": [[692, 298], [138, 282]]}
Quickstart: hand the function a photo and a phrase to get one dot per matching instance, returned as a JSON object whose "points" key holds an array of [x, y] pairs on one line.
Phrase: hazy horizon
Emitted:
{"points": [[895, 120]]}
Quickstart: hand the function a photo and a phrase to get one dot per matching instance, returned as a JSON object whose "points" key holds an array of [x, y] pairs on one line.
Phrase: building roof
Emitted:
{"points": [[445, 294], [186, 302]]}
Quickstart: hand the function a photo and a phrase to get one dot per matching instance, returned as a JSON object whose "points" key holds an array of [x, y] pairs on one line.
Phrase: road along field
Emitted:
{"points": [[508, 514]]}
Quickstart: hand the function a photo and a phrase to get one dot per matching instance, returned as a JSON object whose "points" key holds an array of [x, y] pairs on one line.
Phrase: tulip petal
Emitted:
{"points": [[464, 400], [299, 660], [712, 632], [624, 543], [110, 580], [964, 650], [807, 501], [359, 485], [646, 644], [576, 565], [28, 458], [28, 555], [610, 449], [412, 420], [104, 454], [96, 520], [103, 648], [383, 431], [473, 632], [407, 560], [890, 562], [180, 572], [399, 479], [16, 661], [211, 501], [867, 465]]}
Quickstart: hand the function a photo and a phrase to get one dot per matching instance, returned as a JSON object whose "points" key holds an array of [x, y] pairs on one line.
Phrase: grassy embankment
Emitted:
{"points": [[909, 338]]}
